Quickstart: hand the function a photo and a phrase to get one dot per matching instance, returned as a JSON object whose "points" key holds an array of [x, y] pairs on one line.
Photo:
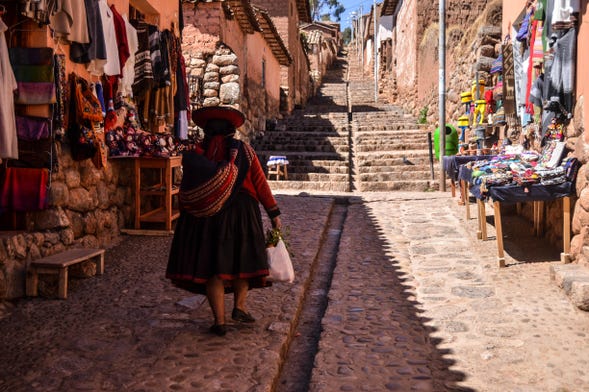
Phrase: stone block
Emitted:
{"points": [[565, 274], [230, 78], [224, 60], [212, 86], [212, 68], [50, 219], [580, 294], [208, 102], [229, 93], [229, 70], [81, 200], [210, 93], [210, 77]]}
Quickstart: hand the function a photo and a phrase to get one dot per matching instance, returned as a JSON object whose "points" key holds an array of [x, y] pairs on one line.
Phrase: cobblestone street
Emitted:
{"points": [[416, 303]]}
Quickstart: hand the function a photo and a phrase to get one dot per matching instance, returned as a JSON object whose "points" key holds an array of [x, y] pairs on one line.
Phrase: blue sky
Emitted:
{"points": [[354, 5]]}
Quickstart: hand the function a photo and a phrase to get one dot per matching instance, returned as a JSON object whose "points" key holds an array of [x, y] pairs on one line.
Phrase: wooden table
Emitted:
{"points": [[164, 189]]}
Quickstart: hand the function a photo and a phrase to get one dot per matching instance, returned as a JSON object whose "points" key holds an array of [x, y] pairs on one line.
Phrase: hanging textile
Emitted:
{"points": [[8, 138], [508, 76], [121, 37], [95, 51], [111, 66], [129, 68], [562, 73], [69, 22], [143, 66], [24, 189]]}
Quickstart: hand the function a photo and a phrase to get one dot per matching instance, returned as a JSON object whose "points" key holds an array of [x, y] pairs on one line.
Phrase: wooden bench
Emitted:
{"points": [[58, 264]]}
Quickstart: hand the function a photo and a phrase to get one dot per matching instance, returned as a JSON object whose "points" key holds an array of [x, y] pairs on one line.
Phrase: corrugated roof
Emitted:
{"points": [[244, 14], [389, 7], [304, 10], [314, 37], [271, 36]]}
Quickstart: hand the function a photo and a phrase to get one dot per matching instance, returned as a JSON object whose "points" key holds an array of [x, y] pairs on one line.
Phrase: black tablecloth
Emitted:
{"points": [[535, 192]]}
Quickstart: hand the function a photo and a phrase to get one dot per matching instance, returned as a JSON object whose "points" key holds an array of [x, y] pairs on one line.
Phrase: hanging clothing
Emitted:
{"points": [[563, 14], [112, 65], [143, 67], [129, 68], [121, 36], [562, 72], [24, 189], [94, 51], [8, 138], [69, 21]]}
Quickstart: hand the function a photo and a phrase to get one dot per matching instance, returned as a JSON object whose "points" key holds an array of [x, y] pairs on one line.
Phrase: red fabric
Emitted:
{"points": [[256, 185], [24, 189], [529, 105], [121, 34], [216, 150]]}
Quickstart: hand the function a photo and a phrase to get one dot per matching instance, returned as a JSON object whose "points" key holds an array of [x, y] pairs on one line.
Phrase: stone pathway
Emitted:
{"points": [[416, 303], [505, 329]]}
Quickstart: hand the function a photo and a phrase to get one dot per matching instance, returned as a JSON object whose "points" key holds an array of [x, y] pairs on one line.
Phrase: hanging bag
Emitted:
{"points": [[87, 104], [281, 269]]}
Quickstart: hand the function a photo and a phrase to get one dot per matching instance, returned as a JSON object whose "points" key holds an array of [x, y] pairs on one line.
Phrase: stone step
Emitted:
{"points": [[310, 186], [420, 161], [397, 136], [388, 128], [318, 177], [303, 155], [303, 167], [418, 170], [304, 130], [405, 185], [388, 177], [290, 149], [391, 146], [383, 155]]}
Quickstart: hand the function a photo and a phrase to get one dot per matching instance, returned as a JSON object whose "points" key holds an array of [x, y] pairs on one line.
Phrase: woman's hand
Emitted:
{"points": [[276, 223]]}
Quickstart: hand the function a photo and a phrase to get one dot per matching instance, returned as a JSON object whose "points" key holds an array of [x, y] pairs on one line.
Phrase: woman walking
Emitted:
{"points": [[219, 245]]}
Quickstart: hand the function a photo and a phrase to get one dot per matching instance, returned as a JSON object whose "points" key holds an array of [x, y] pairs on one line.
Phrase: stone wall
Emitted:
{"points": [[88, 207]]}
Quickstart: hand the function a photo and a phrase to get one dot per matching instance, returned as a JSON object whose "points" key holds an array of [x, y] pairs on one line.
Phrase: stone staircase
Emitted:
{"points": [[380, 149], [316, 140]]}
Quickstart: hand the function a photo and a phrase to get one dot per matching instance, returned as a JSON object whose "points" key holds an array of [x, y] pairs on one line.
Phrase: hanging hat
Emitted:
{"points": [[202, 115]]}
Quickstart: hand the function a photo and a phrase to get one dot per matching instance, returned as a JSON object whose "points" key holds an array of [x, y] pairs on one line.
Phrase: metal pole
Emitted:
{"points": [[375, 53], [362, 39], [442, 91]]}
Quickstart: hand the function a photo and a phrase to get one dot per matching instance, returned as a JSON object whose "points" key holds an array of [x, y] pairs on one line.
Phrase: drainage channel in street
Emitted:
{"points": [[297, 367]]}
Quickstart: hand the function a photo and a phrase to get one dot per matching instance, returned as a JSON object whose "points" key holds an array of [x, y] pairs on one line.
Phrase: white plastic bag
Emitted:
{"points": [[281, 269]]}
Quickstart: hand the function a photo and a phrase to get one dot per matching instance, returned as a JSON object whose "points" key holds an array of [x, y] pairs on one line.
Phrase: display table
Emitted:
{"points": [[164, 190], [538, 194], [452, 165]]}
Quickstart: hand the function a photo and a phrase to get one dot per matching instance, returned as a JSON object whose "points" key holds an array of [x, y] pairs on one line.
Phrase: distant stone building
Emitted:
{"points": [[324, 42], [287, 16], [234, 55]]}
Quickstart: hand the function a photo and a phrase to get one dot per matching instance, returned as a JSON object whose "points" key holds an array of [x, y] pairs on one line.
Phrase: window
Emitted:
{"points": [[263, 73]]}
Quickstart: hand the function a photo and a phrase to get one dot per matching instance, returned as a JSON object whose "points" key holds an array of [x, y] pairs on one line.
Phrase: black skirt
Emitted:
{"points": [[229, 244]]}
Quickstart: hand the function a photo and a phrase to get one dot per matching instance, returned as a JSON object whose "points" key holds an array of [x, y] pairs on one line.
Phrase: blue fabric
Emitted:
{"points": [[452, 164], [100, 95]]}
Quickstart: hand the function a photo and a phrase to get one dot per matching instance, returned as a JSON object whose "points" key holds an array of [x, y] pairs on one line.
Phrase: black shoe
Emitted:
{"points": [[218, 329], [241, 316]]}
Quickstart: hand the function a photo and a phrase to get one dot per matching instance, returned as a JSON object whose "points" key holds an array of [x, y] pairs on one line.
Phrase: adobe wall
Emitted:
{"points": [[414, 80]]}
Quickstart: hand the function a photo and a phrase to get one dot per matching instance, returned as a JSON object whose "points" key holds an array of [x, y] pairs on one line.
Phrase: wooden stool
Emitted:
{"points": [[278, 165]]}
